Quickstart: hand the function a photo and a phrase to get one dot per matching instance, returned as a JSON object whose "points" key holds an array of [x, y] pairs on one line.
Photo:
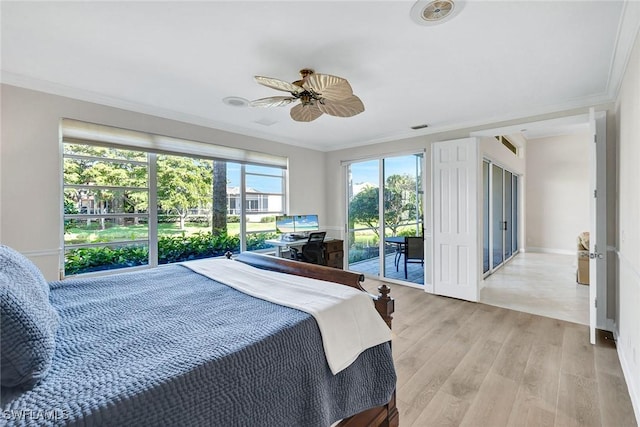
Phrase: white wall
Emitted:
{"points": [[557, 192], [30, 166], [628, 231]]}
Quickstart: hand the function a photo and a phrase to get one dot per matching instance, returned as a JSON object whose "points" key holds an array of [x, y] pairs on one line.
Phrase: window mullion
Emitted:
{"points": [[243, 209], [153, 209]]}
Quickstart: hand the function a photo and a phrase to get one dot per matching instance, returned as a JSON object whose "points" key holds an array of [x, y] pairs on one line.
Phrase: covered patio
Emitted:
{"points": [[371, 267]]}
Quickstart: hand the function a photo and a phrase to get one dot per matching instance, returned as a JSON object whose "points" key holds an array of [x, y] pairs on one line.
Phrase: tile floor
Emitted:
{"points": [[542, 284], [536, 283]]}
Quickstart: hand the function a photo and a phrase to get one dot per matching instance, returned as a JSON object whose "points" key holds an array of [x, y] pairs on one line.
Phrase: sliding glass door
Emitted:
{"points": [[497, 211], [500, 215], [486, 218], [379, 221], [363, 217], [508, 215]]}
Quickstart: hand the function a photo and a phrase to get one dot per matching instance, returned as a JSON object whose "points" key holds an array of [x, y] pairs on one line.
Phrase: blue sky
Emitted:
{"points": [[361, 172], [368, 171], [260, 183]]}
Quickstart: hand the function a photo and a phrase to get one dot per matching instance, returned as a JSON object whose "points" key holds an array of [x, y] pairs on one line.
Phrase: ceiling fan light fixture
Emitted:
{"points": [[434, 12]]}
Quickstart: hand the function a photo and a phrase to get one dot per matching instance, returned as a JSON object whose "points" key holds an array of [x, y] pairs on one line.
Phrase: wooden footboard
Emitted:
{"points": [[380, 416]]}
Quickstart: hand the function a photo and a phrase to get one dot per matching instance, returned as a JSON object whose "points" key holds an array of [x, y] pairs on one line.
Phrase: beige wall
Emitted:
{"points": [[30, 166], [628, 230], [557, 192], [494, 150]]}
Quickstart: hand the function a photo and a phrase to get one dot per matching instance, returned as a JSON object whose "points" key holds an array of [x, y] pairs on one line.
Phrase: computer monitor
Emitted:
{"points": [[285, 224], [305, 223]]}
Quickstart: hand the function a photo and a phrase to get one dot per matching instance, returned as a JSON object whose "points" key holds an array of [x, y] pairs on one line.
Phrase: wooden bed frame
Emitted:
{"points": [[380, 416]]}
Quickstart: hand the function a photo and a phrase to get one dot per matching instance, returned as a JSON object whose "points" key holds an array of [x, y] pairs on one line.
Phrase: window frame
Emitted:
{"points": [[69, 135]]}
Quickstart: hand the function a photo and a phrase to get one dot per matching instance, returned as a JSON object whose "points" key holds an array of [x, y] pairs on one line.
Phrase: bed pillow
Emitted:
{"points": [[28, 321]]}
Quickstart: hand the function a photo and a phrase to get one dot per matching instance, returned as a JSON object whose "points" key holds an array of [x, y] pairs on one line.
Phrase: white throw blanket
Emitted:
{"points": [[347, 318]]}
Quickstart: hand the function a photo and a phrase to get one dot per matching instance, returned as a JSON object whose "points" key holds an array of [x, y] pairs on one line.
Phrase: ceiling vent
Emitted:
{"points": [[235, 101], [433, 12], [419, 127]]}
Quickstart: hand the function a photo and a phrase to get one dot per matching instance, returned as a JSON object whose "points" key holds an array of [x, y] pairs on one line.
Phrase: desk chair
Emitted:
{"points": [[413, 251], [313, 250]]}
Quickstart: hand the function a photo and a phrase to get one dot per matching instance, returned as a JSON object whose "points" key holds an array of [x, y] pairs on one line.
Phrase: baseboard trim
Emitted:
{"points": [[634, 394], [550, 251]]}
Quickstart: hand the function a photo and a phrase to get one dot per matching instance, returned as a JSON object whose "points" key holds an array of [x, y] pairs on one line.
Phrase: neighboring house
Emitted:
{"points": [[257, 201]]}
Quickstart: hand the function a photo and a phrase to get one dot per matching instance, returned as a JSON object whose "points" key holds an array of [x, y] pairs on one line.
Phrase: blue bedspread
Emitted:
{"points": [[169, 347]]}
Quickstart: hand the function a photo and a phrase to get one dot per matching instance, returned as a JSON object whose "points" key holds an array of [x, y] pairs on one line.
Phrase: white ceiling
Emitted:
{"points": [[495, 60]]}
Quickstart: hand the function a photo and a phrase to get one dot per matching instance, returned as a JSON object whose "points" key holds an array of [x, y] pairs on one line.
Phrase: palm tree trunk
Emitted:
{"points": [[219, 213]]}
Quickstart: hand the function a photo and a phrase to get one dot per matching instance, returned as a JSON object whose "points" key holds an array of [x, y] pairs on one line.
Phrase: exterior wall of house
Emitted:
{"points": [[557, 192], [31, 177], [628, 230]]}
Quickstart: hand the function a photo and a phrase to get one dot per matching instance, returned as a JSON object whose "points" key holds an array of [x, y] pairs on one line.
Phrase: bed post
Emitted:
{"points": [[385, 304]]}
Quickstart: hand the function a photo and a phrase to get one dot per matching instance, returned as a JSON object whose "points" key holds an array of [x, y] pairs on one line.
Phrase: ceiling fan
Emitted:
{"points": [[318, 94]]}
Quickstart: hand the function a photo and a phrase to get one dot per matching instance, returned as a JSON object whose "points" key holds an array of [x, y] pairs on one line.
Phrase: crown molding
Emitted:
{"points": [[30, 83], [627, 33], [558, 110]]}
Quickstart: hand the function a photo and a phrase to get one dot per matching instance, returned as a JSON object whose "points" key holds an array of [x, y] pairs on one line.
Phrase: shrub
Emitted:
{"points": [[170, 249], [84, 260], [362, 254], [198, 219], [257, 240], [407, 233], [200, 245]]}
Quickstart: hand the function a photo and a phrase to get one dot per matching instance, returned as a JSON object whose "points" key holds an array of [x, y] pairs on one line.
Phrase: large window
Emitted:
{"points": [[130, 207]]}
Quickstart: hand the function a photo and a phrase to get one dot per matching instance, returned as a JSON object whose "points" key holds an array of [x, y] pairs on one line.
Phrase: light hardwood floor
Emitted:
{"points": [[470, 364]]}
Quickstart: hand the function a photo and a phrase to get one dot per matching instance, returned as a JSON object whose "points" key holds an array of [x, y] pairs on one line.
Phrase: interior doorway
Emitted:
{"points": [[523, 282]]}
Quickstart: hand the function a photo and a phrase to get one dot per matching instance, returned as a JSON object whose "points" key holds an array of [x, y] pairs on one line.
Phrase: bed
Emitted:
{"points": [[169, 346]]}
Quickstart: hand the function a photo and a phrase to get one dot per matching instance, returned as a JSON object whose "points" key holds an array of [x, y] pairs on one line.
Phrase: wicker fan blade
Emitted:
{"points": [[329, 87], [305, 113], [272, 101], [278, 84], [344, 108]]}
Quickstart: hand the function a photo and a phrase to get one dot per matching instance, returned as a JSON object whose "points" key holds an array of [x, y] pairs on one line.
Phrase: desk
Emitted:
{"points": [[334, 252], [279, 244], [399, 242]]}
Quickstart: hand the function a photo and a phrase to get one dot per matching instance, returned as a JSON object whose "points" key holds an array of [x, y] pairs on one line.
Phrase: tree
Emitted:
{"points": [[399, 204], [183, 183], [399, 201], [363, 208], [219, 214], [98, 169]]}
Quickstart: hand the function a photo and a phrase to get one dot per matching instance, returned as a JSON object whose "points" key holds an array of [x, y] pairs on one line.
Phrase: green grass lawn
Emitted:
{"points": [[134, 232], [79, 235]]}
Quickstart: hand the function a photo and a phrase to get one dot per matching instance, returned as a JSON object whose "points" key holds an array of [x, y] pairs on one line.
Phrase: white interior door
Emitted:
{"points": [[597, 232], [455, 166]]}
